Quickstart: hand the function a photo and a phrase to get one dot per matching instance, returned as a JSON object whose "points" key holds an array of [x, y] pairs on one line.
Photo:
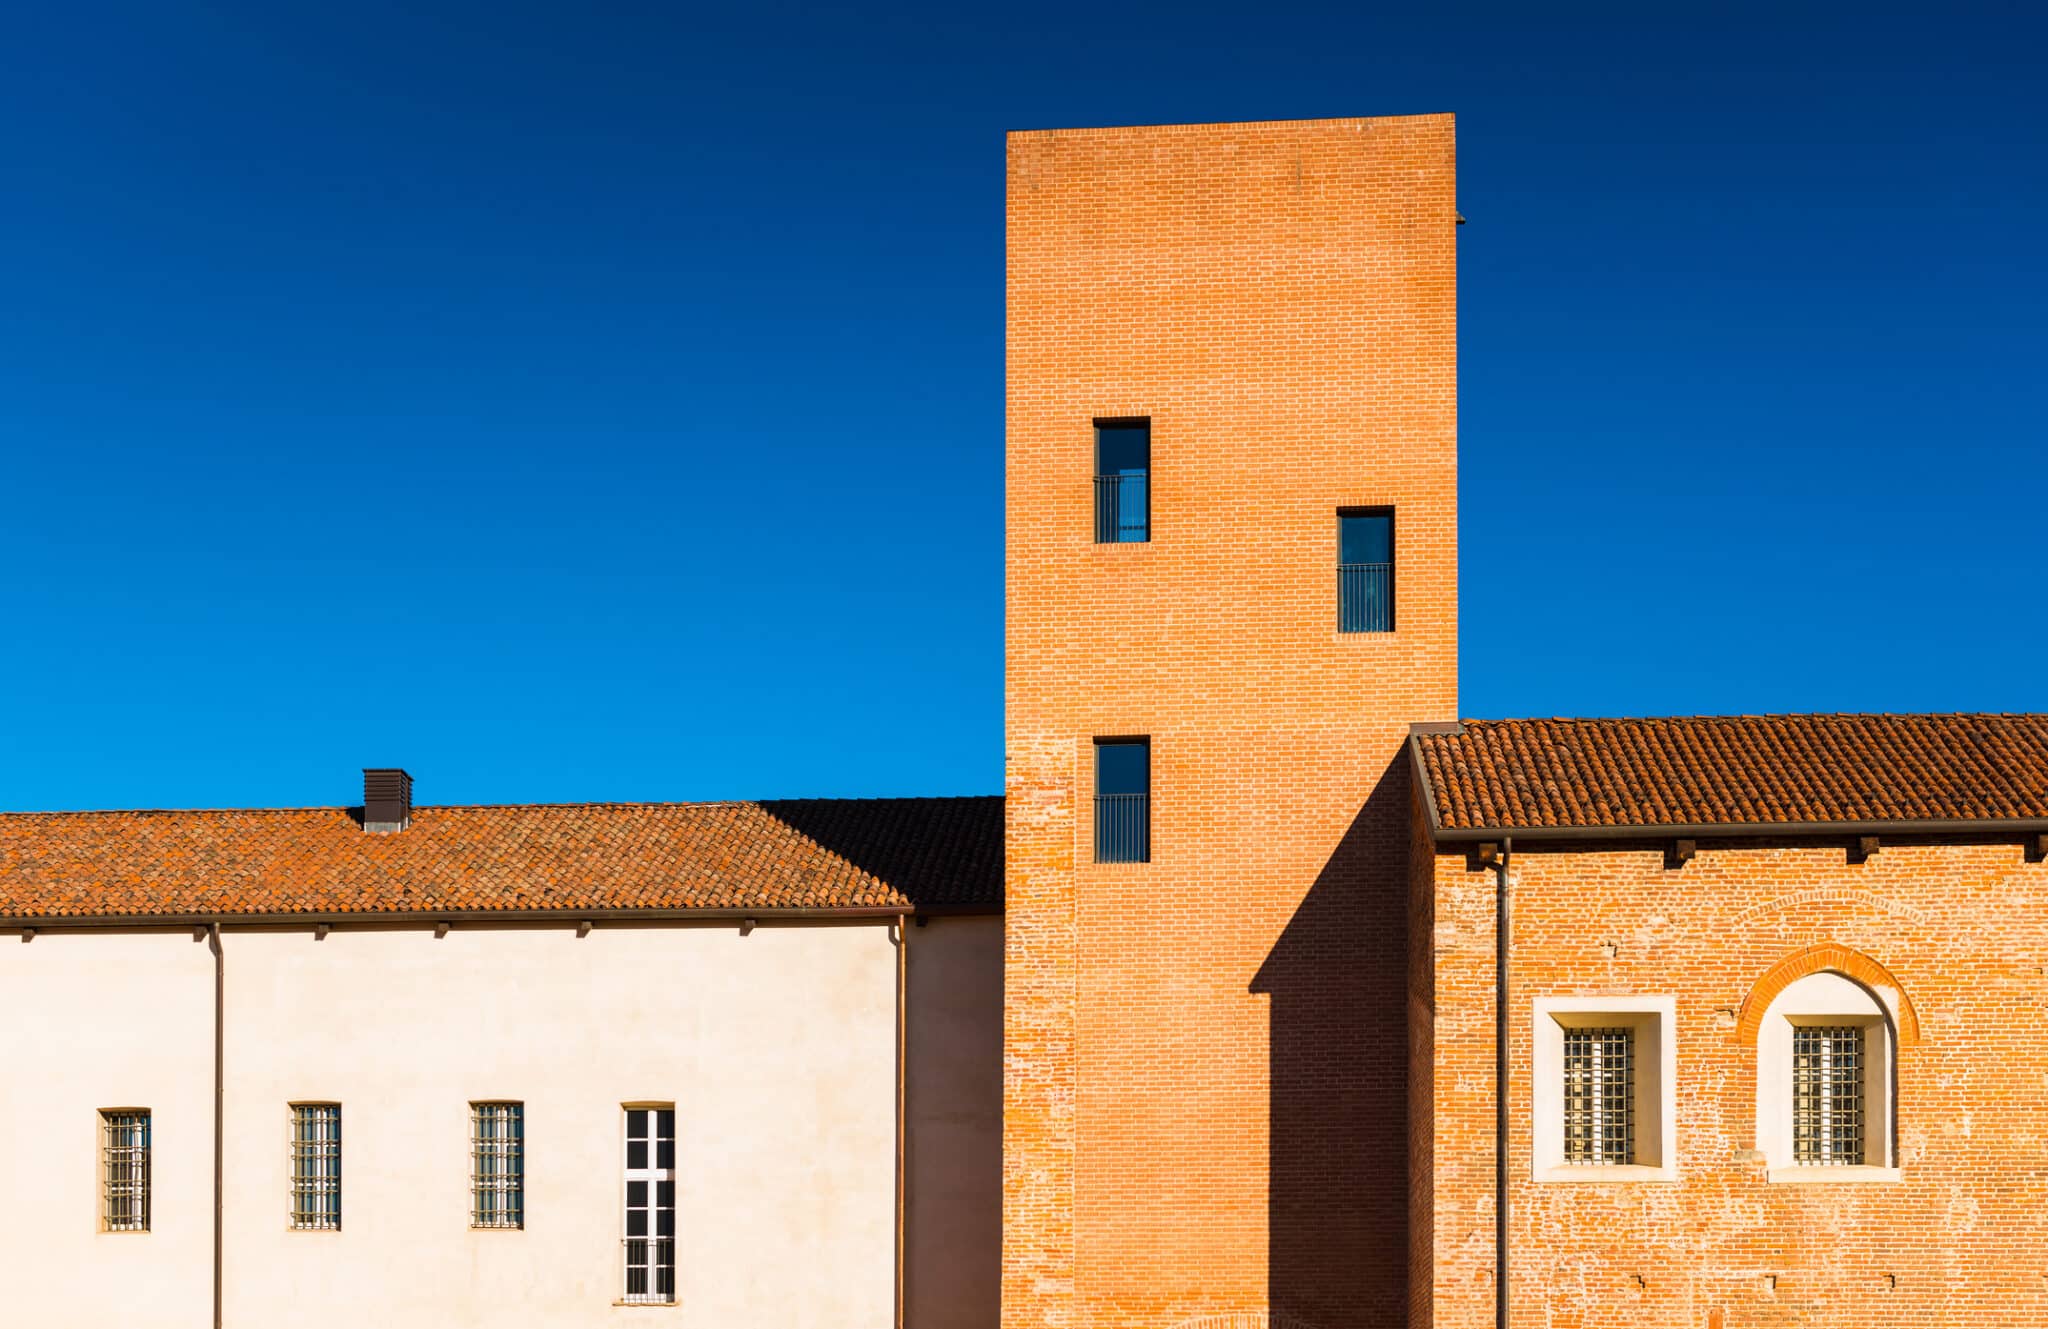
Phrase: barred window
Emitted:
{"points": [[316, 1166], [497, 1149], [1827, 1095], [650, 1243], [124, 1135], [1599, 1096]]}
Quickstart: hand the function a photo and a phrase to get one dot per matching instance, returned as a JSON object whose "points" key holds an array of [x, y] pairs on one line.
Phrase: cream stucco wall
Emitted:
{"points": [[91, 1022], [778, 1049]]}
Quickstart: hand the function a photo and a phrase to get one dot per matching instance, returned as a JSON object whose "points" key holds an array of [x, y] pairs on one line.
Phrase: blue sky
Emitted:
{"points": [[604, 401]]}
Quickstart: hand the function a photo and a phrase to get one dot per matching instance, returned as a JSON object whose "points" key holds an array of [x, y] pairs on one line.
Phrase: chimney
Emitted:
{"points": [[387, 799]]}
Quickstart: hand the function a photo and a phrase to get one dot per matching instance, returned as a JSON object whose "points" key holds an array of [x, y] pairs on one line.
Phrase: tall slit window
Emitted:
{"points": [[1599, 1097], [316, 1166], [1827, 1095], [497, 1151], [1365, 570], [1123, 800], [650, 1241], [124, 1137], [1123, 481]]}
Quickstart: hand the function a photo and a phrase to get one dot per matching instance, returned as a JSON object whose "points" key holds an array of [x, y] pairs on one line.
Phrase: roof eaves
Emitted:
{"points": [[1749, 830]]}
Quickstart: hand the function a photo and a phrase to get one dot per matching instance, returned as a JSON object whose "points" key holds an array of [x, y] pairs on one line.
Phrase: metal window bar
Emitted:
{"points": [[1599, 1096], [1123, 509], [648, 1251], [316, 1166], [1123, 828], [1827, 1095], [650, 1270], [125, 1206], [497, 1165], [1365, 597]]}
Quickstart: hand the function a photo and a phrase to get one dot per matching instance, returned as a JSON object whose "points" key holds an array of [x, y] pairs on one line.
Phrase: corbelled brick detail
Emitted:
{"points": [[1205, 1069]]}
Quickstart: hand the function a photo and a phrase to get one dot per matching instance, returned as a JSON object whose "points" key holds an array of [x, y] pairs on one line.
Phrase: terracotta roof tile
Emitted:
{"points": [[1737, 770], [928, 853]]}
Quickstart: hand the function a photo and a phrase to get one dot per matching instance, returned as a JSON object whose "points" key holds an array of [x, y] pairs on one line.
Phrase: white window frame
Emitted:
{"points": [[653, 1174], [1651, 1021], [1829, 998]]}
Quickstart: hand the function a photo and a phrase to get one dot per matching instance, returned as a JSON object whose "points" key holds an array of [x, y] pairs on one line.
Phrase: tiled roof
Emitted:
{"points": [[926, 853], [1739, 770]]}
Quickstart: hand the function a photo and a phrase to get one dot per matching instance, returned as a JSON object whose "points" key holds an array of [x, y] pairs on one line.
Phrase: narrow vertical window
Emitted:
{"points": [[1827, 1095], [1123, 800], [124, 1134], [1599, 1097], [650, 1243], [316, 1166], [1365, 570], [1123, 481], [497, 1151]]}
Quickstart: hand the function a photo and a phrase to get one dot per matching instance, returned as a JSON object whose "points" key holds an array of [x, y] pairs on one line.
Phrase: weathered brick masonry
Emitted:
{"points": [[1206, 1061], [1715, 863], [1251, 1082], [1960, 1239]]}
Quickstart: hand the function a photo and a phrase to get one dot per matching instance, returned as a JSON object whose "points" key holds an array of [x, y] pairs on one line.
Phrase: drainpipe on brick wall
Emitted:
{"points": [[1503, 934], [220, 985]]}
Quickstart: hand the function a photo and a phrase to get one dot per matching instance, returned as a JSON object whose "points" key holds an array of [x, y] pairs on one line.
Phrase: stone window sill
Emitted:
{"points": [[1839, 1176], [1628, 1173]]}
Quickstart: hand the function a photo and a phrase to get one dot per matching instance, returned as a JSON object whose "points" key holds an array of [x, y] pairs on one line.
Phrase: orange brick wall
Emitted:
{"points": [[1961, 1240], [1205, 1062]]}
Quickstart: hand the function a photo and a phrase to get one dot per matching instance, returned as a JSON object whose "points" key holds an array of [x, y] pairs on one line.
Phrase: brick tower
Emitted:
{"points": [[1232, 552]]}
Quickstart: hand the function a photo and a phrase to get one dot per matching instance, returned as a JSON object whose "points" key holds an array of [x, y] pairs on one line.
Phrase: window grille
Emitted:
{"points": [[1123, 481], [497, 1150], [1599, 1096], [1123, 800], [650, 1241], [1827, 1095], [125, 1138], [316, 1166], [1365, 570]]}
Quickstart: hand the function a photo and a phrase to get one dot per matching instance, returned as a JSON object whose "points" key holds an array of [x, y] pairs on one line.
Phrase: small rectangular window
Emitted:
{"points": [[125, 1175], [1599, 1097], [316, 1167], [650, 1241], [1123, 800], [1827, 1095], [497, 1151], [1123, 481], [1365, 570]]}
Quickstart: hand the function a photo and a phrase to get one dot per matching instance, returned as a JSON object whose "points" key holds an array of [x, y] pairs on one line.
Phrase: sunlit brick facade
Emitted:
{"points": [[1205, 1052], [1250, 1082]]}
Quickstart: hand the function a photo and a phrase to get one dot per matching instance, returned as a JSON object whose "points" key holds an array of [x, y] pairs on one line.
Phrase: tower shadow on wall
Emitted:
{"points": [[1337, 1217]]}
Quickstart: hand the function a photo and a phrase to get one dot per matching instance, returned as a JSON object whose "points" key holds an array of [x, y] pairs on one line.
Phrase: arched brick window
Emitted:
{"points": [[1827, 1024]]}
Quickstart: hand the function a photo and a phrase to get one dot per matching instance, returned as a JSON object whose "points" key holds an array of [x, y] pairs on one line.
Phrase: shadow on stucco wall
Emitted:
{"points": [[1338, 1205]]}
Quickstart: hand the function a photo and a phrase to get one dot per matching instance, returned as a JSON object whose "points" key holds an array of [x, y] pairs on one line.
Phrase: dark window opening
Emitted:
{"points": [[1123, 800], [1365, 570], [1123, 481]]}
